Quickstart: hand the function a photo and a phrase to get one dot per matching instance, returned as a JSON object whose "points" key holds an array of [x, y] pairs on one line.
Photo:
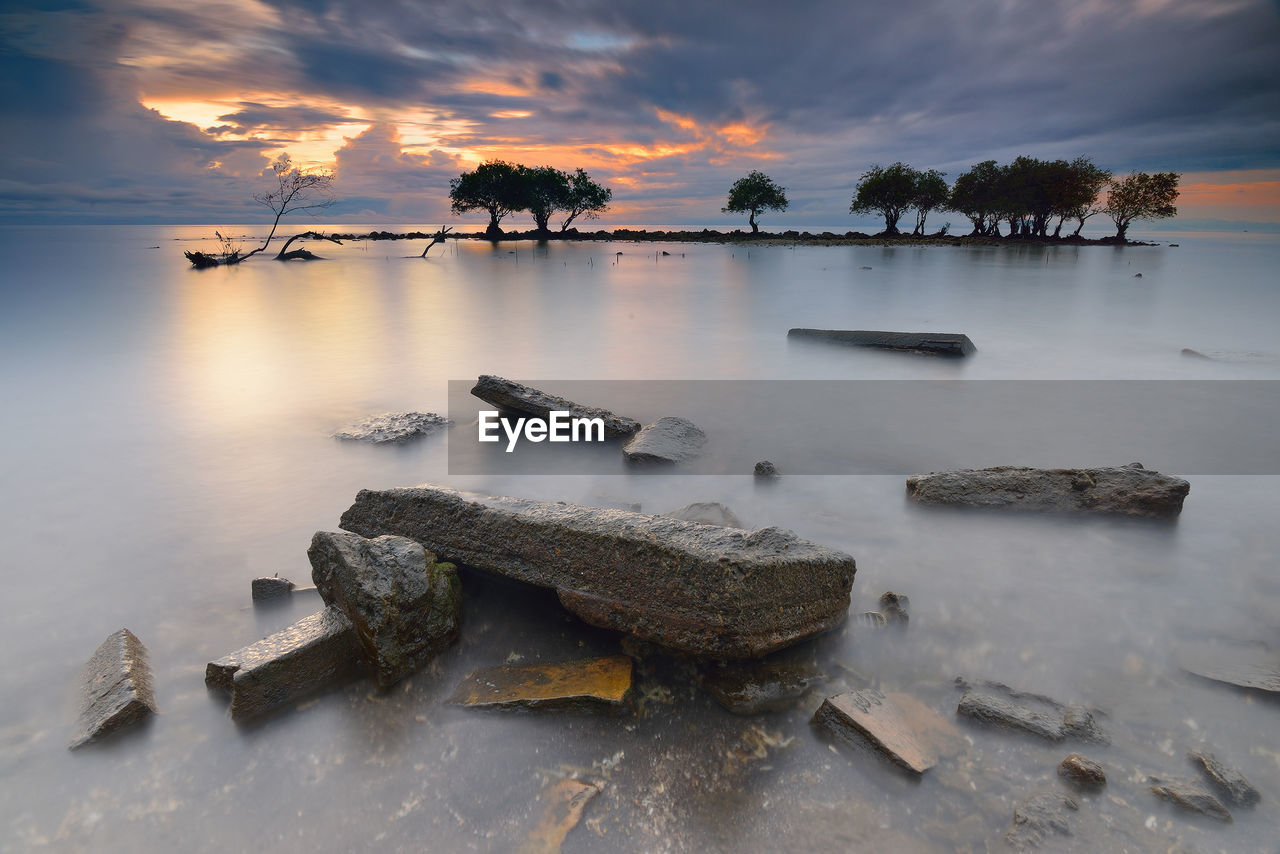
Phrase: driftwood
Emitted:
{"points": [[438, 237], [303, 254]]}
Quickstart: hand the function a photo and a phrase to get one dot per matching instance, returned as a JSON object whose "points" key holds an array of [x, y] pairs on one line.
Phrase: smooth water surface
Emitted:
{"points": [[167, 437]]}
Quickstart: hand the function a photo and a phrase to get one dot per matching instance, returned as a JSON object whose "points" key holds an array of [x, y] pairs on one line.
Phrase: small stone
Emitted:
{"points": [[115, 689], [767, 470], [708, 513], [1084, 772], [1190, 796], [1230, 783], [755, 687], [666, 441], [393, 427], [403, 605], [996, 703], [271, 588], [868, 716], [1036, 819], [894, 607], [563, 802], [583, 684]]}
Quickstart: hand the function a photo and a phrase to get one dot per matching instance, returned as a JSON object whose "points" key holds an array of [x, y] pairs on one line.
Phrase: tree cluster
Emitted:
{"points": [[1030, 195], [502, 188]]}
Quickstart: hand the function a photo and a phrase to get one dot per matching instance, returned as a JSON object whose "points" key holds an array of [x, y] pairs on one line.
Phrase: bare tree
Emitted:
{"points": [[438, 237]]}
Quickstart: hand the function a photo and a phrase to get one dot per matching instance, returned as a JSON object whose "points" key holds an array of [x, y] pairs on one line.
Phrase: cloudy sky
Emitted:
{"points": [[170, 110]]}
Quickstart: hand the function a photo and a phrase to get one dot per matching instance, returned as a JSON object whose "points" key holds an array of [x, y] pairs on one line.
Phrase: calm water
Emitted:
{"points": [[167, 438]]}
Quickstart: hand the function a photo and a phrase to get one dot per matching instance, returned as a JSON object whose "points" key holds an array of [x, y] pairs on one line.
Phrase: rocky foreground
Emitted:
{"points": [[701, 589]]}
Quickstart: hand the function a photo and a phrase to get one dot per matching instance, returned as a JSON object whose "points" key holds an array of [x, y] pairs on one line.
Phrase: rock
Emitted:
{"points": [[271, 588], [867, 715], [563, 802], [393, 427], [1254, 667], [756, 687], [894, 607], [312, 654], [1084, 772], [403, 605], [1126, 490], [1195, 354], [115, 689], [700, 589], [1191, 796], [510, 395], [996, 703], [708, 513], [1037, 818], [584, 684], [1244, 356], [766, 470], [666, 441], [1230, 783], [937, 343]]}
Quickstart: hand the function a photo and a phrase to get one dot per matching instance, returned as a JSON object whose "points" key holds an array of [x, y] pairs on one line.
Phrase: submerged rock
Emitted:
{"points": [[1230, 783], [510, 395], [868, 716], [1190, 796], [115, 689], [701, 589], [996, 703], [1084, 772], [756, 687], [393, 427], [583, 684], [1126, 490], [1254, 667], [562, 804], [403, 605], [666, 441], [936, 343], [270, 588], [708, 513], [895, 607], [1038, 818], [312, 654], [766, 470]]}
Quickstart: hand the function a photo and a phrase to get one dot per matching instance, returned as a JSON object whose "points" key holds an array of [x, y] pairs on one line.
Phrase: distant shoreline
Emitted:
{"points": [[785, 238]]}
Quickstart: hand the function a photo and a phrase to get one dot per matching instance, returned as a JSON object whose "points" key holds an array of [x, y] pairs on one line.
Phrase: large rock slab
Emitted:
{"points": [[562, 804], [666, 441], [866, 714], [701, 589], [998, 704], [584, 684], [312, 654], [115, 689], [1125, 490], [934, 343], [510, 395], [403, 605], [393, 427]]}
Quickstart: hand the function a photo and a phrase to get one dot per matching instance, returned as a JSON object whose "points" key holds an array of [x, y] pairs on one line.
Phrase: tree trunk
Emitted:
{"points": [[438, 237], [1122, 230], [303, 254], [751, 218]]}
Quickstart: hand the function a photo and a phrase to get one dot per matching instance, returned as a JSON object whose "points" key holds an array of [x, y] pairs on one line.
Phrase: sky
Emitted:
{"points": [[171, 111]]}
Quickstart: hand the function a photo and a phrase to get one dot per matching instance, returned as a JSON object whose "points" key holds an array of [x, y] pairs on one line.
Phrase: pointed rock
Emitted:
{"points": [[1229, 782], [115, 689], [1192, 797]]}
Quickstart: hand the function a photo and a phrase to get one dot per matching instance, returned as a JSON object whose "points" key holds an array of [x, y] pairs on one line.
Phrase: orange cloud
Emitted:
{"points": [[1244, 194]]}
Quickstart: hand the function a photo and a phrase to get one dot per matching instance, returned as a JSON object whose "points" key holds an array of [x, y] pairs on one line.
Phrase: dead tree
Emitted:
{"points": [[303, 254], [438, 237]]}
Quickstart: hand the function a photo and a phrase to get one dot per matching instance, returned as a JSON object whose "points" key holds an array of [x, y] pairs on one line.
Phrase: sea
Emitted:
{"points": [[168, 436]]}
